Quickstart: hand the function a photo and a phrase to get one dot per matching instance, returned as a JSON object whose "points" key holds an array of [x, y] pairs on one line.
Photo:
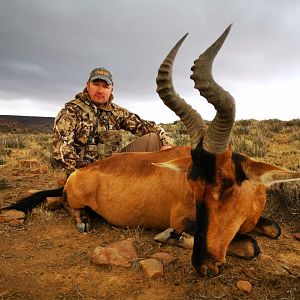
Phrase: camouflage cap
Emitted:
{"points": [[101, 73]]}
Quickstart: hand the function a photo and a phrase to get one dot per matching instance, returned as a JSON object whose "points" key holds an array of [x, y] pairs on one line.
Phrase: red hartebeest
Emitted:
{"points": [[218, 193]]}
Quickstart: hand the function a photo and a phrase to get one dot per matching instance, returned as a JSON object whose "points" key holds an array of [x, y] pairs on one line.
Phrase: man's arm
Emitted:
{"points": [[63, 139]]}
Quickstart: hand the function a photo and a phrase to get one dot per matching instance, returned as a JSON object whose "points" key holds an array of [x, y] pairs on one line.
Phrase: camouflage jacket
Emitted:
{"points": [[83, 133]]}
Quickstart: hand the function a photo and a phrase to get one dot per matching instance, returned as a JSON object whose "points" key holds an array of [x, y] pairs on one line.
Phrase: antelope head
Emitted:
{"points": [[229, 188]]}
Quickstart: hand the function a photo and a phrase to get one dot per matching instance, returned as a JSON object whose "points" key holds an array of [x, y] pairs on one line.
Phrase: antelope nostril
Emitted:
{"points": [[204, 270], [210, 273], [221, 268], [211, 269]]}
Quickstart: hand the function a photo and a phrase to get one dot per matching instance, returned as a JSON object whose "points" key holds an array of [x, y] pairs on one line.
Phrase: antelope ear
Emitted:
{"points": [[267, 173], [180, 164]]}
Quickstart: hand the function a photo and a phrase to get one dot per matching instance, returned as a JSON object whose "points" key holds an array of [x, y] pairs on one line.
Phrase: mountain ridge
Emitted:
{"points": [[25, 124]]}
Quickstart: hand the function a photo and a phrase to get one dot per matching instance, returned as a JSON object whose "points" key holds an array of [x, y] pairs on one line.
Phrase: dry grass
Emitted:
{"points": [[48, 259], [273, 141]]}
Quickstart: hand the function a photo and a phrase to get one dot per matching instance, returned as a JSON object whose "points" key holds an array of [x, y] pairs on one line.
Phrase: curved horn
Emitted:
{"points": [[193, 122], [216, 138]]}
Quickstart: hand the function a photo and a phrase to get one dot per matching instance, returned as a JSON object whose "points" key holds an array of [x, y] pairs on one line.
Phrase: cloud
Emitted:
{"points": [[49, 47]]}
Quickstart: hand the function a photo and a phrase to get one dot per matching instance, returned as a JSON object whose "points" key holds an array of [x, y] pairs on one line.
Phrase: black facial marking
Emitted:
{"points": [[227, 183], [239, 172], [189, 227], [203, 166], [200, 246]]}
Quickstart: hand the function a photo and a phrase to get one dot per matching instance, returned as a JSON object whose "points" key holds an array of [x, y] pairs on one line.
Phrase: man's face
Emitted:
{"points": [[99, 91]]}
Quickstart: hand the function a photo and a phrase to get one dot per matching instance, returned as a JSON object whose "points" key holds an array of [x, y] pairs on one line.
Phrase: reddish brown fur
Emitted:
{"points": [[128, 190], [232, 209]]}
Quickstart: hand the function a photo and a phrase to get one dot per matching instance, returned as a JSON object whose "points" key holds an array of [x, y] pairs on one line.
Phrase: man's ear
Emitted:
{"points": [[180, 164], [267, 173], [111, 98]]}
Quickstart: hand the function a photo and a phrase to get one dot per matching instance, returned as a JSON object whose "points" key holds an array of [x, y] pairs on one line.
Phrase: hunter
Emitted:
{"points": [[89, 127]]}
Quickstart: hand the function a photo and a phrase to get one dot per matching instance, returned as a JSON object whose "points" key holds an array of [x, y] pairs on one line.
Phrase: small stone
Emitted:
{"points": [[244, 286], [44, 169], [31, 192], [29, 163], [164, 257], [12, 216], [296, 235], [266, 257], [16, 222], [152, 268], [118, 254], [54, 203]]}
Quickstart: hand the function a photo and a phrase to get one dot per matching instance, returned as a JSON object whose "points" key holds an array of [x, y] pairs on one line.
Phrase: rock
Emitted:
{"points": [[296, 235], [31, 192], [29, 163], [12, 217], [266, 257], [35, 166], [164, 257], [118, 254], [152, 268], [44, 169], [244, 286], [54, 203], [15, 222]]}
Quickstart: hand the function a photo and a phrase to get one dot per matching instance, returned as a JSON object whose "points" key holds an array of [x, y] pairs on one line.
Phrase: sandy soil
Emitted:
{"points": [[48, 258]]}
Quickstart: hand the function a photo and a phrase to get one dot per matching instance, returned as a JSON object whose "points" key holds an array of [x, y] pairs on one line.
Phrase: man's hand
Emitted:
{"points": [[82, 163], [165, 147]]}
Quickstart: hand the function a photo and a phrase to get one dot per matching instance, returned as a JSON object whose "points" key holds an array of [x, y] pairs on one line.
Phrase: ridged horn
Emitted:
{"points": [[216, 138], [193, 122]]}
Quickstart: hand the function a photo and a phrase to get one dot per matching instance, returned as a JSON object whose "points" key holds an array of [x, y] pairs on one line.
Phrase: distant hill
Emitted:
{"points": [[24, 124]]}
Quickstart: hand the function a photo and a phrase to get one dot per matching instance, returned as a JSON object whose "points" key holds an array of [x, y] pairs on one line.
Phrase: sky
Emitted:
{"points": [[48, 48]]}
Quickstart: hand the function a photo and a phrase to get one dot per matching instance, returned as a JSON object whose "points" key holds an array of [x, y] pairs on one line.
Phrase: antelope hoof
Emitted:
{"points": [[164, 236], [244, 247], [268, 228], [170, 236], [85, 225]]}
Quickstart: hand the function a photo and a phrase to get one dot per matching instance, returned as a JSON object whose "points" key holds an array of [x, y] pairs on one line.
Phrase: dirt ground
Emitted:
{"points": [[48, 258]]}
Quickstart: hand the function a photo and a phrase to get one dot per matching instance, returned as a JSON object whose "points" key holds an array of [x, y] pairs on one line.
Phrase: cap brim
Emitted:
{"points": [[101, 77]]}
